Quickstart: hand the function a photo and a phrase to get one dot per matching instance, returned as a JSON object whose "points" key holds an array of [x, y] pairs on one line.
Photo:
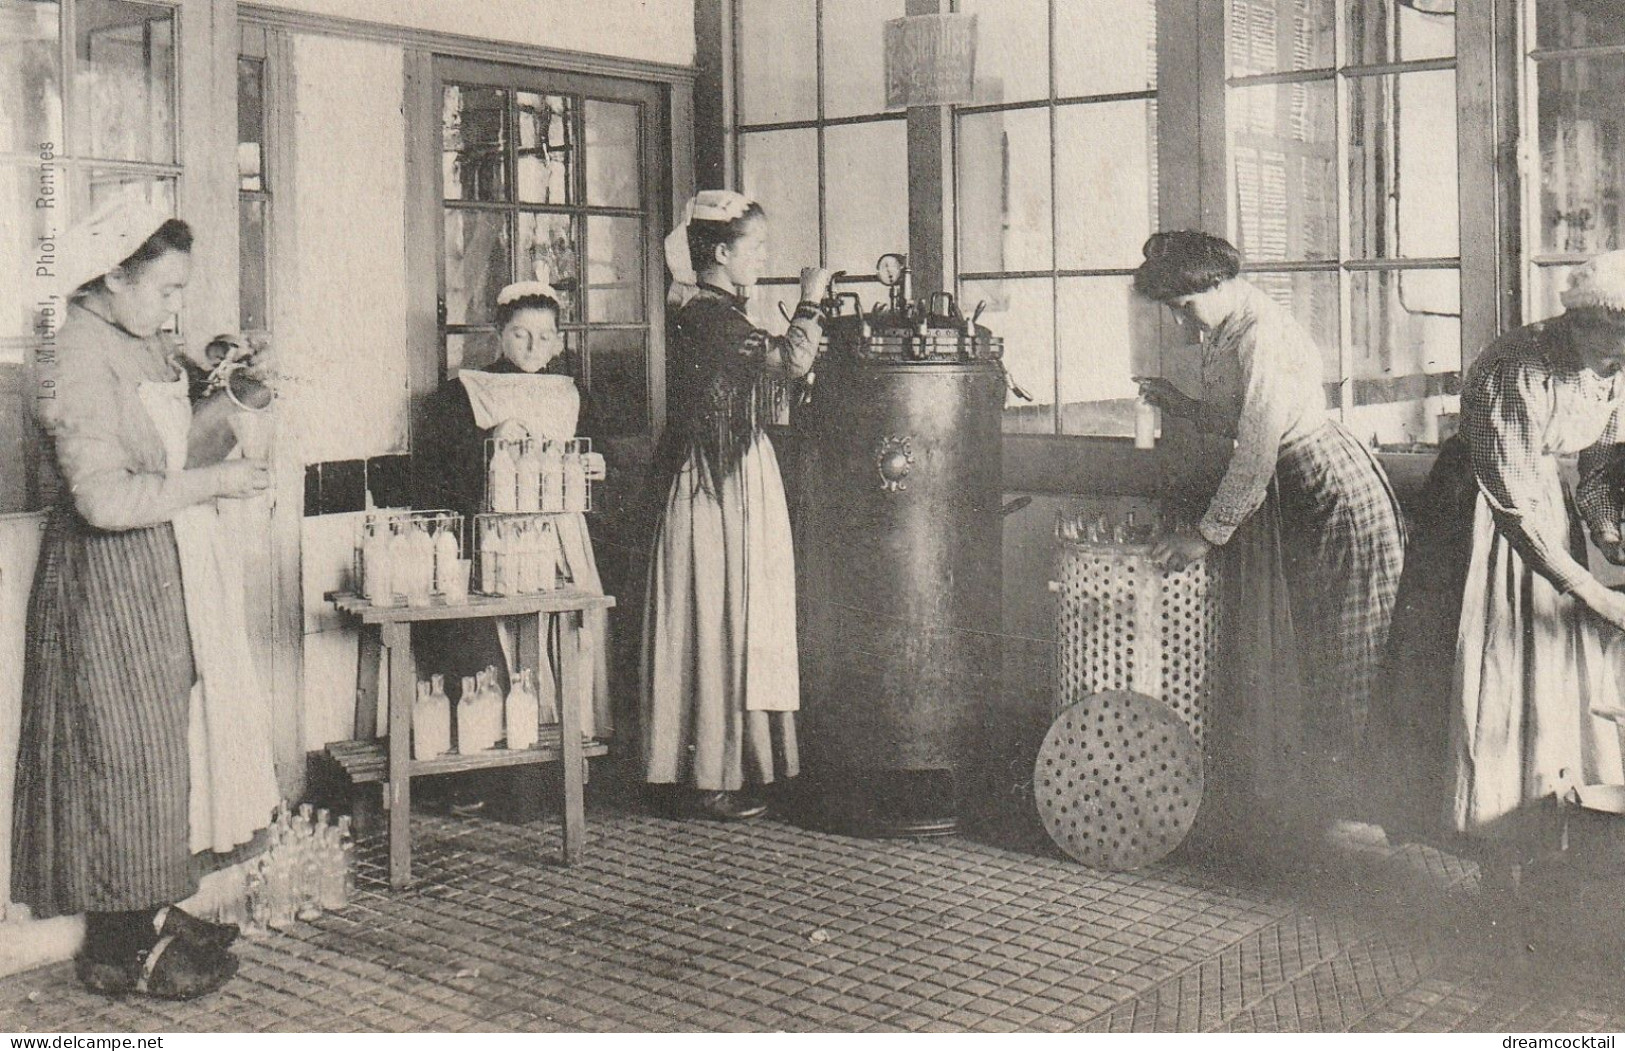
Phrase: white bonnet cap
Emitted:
{"points": [[1599, 282], [105, 239], [718, 206]]}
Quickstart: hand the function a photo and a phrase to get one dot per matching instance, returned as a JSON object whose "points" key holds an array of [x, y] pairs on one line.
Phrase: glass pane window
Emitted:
{"points": [[1280, 36], [778, 61], [614, 269], [25, 238], [780, 170], [1283, 151], [854, 55], [1005, 203], [550, 250], [1582, 154], [1022, 311], [1312, 297], [1406, 354], [252, 279], [1010, 34], [477, 264], [545, 159], [612, 159], [1106, 180], [1104, 48], [1106, 337], [1402, 166], [1382, 31], [474, 137], [124, 86], [866, 179], [30, 75]]}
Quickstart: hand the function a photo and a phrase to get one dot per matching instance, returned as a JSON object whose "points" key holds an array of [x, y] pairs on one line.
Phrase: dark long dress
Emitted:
{"points": [[100, 821], [448, 473]]}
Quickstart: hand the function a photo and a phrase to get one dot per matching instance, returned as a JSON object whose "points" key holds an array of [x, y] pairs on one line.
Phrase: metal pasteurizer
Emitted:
{"points": [[898, 545]]}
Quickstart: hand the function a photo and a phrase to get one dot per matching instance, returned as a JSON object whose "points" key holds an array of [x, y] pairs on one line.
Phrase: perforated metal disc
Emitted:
{"points": [[1118, 780]]}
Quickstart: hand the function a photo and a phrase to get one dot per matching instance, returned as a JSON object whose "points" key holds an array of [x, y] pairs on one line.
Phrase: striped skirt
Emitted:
{"points": [[100, 820], [1309, 596]]}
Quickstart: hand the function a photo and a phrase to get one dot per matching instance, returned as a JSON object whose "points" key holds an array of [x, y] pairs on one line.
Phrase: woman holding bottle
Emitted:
{"points": [[145, 752], [1312, 531], [721, 684], [528, 395]]}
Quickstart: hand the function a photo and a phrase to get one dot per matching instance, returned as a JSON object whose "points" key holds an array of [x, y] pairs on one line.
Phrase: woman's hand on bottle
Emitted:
{"points": [[1168, 398], [594, 465], [814, 283], [238, 479]]}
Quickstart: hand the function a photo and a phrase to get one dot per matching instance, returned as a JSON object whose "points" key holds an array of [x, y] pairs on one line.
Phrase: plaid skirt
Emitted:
{"points": [[100, 821], [1309, 595]]}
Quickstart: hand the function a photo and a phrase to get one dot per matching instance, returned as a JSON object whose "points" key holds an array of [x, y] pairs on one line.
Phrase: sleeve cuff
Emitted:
{"points": [[807, 310], [1213, 531]]}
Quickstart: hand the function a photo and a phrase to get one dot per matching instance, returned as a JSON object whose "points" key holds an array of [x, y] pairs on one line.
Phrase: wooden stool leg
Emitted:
{"points": [[402, 688], [570, 733], [366, 682]]}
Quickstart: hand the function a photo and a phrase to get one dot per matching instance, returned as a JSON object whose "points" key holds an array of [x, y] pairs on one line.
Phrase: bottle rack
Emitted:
{"points": [[408, 558], [537, 476], [518, 554]]}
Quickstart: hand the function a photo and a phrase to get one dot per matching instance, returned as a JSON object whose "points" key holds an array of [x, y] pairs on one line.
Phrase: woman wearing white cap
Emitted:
{"points": [[721, 685], [528, 392], [1507, 702], [145, 740]]}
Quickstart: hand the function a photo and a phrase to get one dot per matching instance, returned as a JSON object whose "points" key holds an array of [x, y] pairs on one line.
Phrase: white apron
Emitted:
{"points": [[233, 783], [1532, 670], [549, 407]]}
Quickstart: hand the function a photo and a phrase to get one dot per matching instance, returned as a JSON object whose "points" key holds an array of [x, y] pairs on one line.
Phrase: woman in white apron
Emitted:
{"points": [[721, 685], [529, 392], [145, 738], [1502, 690]]}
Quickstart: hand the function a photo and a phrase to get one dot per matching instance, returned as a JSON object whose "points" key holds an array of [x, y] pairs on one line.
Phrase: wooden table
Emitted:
{"points": [[387, 629]]}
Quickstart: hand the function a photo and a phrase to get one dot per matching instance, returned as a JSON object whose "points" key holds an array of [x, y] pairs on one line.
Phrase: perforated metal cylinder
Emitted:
{"points": [[1124, 623]]}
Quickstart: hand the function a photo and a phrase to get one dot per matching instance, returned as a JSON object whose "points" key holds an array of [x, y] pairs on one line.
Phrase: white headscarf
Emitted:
{"points": [[521, 289], [718, 206], [1599, 283], [111, 234]]}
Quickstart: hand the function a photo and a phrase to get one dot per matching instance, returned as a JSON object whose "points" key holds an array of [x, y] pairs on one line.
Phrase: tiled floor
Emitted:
{"points": [[693, 926]]}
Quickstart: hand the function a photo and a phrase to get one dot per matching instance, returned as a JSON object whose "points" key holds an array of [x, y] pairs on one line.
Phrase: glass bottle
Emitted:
{"points": [[521, 715], [547, 558], [528, 478], [400, 560], [376, 577], [448, 550], [467, 717], [431, 721], [420, 564], [258, 910], [552, 477], [502, 479], [575, 477]]}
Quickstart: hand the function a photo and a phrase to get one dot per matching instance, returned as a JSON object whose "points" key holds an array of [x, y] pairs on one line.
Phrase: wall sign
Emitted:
{"points": [[930, 60]]}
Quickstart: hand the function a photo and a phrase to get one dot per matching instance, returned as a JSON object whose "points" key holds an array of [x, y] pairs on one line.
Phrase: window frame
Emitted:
{"points": [[651, 99], [1343, 75], [739, 130], [1053, 104]]}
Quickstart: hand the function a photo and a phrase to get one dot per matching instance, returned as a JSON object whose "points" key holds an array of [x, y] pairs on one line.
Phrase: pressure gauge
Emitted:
{"points": [[889, 269]]}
